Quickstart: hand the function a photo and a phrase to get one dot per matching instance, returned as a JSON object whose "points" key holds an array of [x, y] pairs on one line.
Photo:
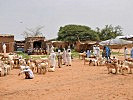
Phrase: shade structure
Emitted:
{"points": [[115, 41]]}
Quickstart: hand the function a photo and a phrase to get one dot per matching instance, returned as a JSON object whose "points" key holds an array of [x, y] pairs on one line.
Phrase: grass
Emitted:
{"points": [[75, 54], [24, 55]]}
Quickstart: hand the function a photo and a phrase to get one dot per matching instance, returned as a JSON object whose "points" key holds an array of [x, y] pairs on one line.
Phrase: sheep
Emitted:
{"points": [[130, 66], [51, 69], [101, 61], [93, 61], [22, 61], [32, 66], [7, 69], [12, 64], [111, 66], [42, 67], [1, 71]]}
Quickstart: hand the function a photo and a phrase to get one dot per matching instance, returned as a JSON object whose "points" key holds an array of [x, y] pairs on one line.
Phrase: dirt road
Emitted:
{"points": [[77, 82]]}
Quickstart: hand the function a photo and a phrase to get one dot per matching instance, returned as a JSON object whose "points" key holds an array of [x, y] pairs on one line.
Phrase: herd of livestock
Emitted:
{"points": [[14, 61], [41, 65], [113, 65]]}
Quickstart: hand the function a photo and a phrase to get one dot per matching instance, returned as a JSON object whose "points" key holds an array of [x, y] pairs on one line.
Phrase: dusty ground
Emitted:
{"points": [[78, 82]]}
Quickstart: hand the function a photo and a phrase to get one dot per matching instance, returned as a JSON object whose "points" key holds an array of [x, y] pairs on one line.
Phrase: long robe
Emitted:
{"points": [[132, 53], [68, 56], [52, 59], [88, 53], [64, 57], [125, 53]]}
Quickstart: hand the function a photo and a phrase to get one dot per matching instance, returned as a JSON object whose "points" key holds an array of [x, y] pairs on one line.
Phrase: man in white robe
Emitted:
{"points": [[68, 57], [52, 58], [4, 49], [64, 57]]}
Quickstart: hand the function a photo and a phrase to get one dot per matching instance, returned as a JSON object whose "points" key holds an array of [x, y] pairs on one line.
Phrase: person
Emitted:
{"points": [[132, 53], [4, 49], [98, 51], [125, 53], [28, 73], [94, 50], [52, 58], [59, 56], [68, 56], [104, 52], [88, 53], [107, 49], [64, 56]]}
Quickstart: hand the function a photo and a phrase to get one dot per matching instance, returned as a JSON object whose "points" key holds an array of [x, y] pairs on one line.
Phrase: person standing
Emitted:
{"points": [[108, 53], [64, 56], [88, 53], [68, 56], [125, 53], [98, 51], [132, 53], [59, 56], [94, 50], [52, 58]]}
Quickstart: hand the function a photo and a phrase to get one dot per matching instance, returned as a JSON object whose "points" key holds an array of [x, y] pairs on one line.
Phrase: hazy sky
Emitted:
{"points": [[16, 15]]}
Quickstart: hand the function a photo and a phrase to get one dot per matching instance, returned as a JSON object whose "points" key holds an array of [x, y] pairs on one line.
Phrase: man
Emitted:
{"points": [[88, 53], [98, 51], [125, 53], [68, 56], [52, 58], [132, 53], [107, 49], [59, 56], [94, 50], [64, 57], [28, 73]]}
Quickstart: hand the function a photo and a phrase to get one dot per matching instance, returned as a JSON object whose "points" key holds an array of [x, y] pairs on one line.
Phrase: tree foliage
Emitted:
{"points": [[32, 32], [109, 32], [71, 33]]}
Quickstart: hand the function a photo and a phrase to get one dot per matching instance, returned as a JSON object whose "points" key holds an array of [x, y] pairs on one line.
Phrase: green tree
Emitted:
{"points": [[109, 32], [71, 33]]}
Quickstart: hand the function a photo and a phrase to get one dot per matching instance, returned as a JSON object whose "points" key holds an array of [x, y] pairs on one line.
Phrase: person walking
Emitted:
{"points": [[125, 53]]}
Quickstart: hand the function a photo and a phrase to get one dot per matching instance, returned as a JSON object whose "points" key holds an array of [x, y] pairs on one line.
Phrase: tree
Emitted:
{"points": [[71, 33], [32, 32], [109, 32]]}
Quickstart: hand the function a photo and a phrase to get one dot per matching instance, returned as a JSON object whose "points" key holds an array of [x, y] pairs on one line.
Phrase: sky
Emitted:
{"points": [[17, 15]]}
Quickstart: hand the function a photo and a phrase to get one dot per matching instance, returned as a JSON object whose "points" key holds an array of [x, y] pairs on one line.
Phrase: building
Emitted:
{"points": [[8, 39], [19, 45], [34, 42]]}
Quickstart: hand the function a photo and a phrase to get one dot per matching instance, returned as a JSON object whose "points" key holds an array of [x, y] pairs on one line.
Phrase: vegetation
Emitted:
{"points": [[109, 32], [72, 33], [32, 32]]}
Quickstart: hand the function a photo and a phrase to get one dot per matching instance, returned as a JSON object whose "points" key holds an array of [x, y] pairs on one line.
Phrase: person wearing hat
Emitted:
{"points": [[28, 73]]}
